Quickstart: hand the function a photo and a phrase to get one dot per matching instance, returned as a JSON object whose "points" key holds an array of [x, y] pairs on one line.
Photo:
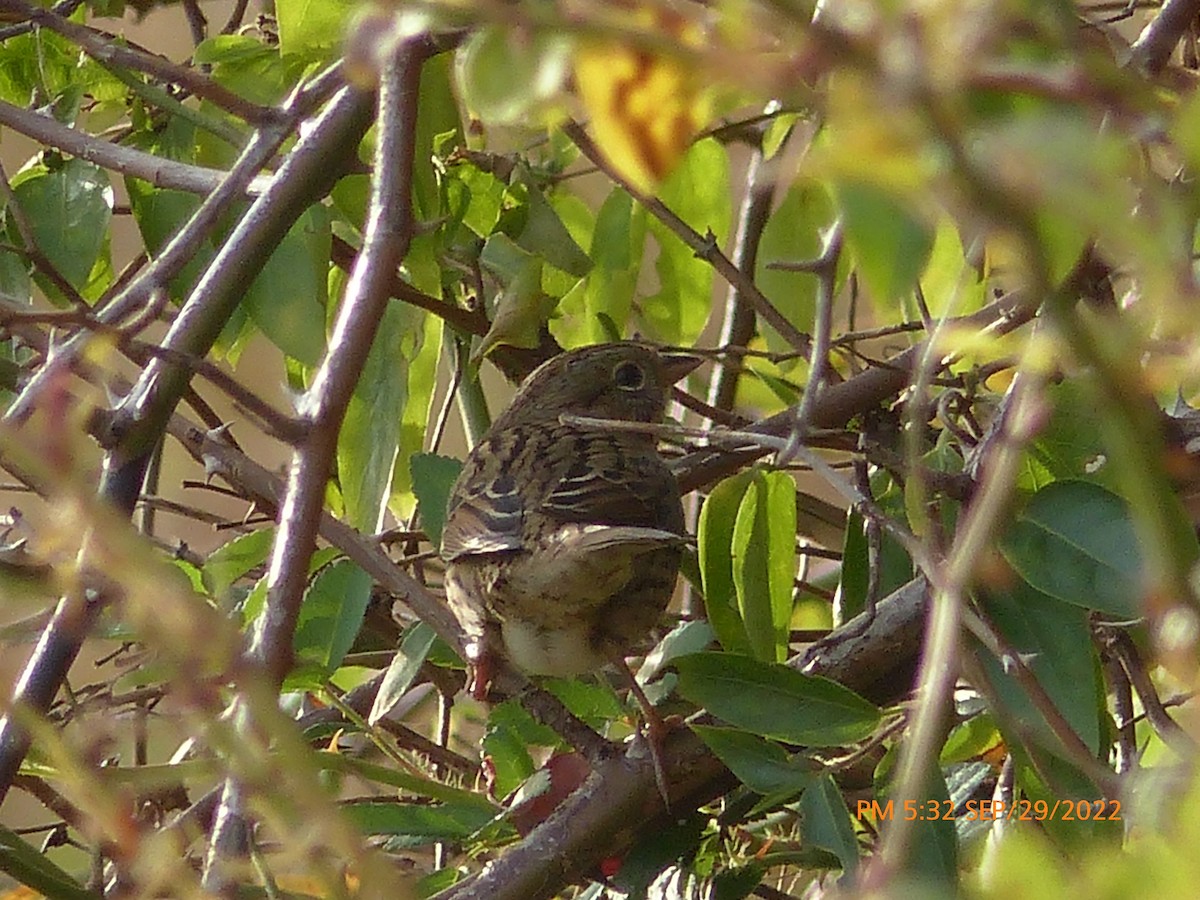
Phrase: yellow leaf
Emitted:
{"points": [[645, 108]]}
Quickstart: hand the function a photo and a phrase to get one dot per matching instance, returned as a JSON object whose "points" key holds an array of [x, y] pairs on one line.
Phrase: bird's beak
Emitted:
{"points": [[676, 365]]}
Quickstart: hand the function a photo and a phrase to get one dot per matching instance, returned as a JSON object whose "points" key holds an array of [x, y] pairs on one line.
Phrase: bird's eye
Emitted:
{"points": [[629, 376]]}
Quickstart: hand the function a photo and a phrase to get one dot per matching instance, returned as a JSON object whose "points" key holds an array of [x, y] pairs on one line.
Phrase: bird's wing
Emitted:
{"points": [[601, 481], [486, 513]]}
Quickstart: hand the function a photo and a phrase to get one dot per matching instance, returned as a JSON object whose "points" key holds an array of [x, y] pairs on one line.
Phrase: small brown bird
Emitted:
{"points": [[562, 543]]}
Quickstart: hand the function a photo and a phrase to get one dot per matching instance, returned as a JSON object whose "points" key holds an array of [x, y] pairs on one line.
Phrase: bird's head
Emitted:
{"points": [[626, 380]]}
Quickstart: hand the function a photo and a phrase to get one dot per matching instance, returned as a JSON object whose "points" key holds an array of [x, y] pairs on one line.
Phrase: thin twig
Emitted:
{"points": [[703, 245], [388, 233], [1153, 47], [824, 267]]}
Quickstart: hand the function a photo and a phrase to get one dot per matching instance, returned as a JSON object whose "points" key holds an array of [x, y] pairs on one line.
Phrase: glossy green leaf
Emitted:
{"points": [[714, 541], [825, 822], [775, 701], [760, 764], [68, 209], [1075, 541], [403, 670], [764, 561], [890, 244], [698, 191]]}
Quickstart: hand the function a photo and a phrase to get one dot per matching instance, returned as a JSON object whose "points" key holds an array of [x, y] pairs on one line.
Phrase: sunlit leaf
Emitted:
{"points": [[644, 107], [764, 565]]}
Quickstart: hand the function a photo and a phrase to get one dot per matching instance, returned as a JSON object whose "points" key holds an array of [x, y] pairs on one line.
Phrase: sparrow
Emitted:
{"points": [[562, 542]]}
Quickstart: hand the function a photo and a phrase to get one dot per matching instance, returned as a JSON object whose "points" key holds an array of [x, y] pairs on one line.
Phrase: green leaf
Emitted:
{"points": [[504, 73], [950, 284], [684, 638], [761, 765], [607, 291], [825, 822], [403, 670], [235, 558], [420, 384], [32, 869], [418, 824], [934, 858], [506, 749], [764, 561], [331, 615], [891, 246], [698, 191], [432, 478], [714, 541], [288, 297], [68, 210], [793, 233], [775, 701], [307, 27], [1075, 541], [438, 121], [522, 308], [594, 702], [1054, 639], [545, 235], [370, 437], [1069, 446]]}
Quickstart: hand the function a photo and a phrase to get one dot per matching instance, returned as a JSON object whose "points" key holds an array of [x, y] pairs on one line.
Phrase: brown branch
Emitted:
{"points": [[108, 49], [737, 327], [1152, 49], [618, 806], [839, 403]]}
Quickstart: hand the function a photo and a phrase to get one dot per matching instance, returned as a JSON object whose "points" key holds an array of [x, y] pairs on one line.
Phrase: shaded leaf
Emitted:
{"points": [[775, 701], [825, 822], [760, 764], [890, 245], [402, 671], [432, 478], [1075, 541]]}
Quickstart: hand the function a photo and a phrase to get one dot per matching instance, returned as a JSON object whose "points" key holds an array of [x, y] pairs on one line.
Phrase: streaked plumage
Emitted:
{"points": [[562, 543]]}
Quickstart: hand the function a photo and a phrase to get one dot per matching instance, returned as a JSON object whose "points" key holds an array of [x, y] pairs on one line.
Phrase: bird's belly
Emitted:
{"points": [[562, 651]]}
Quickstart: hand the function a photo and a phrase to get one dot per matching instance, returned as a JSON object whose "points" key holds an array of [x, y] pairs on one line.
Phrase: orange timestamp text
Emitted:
{"points": [[991, 810]]}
